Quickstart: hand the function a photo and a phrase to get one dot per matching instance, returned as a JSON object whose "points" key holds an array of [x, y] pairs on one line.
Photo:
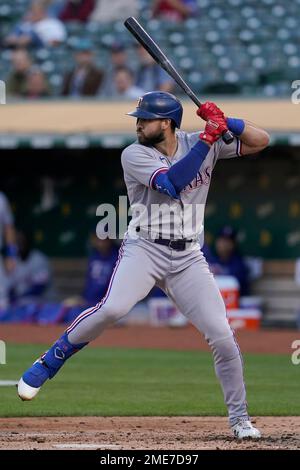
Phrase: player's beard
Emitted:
{"points": [[151, 140]]}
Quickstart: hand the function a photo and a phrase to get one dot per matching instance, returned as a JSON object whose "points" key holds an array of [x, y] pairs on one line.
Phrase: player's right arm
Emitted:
{"points": [[171, 181], [185, 170]]}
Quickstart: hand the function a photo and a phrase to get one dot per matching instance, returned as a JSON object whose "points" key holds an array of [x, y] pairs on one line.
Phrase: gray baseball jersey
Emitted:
{"points": [[183, 275], [141, 164]]}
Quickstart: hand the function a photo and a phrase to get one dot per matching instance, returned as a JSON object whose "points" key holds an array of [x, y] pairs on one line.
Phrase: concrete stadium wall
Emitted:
{"points": [[110, 117]]}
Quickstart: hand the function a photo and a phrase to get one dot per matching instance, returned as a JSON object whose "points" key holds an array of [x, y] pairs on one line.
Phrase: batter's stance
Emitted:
{"points": [[167, 174]]}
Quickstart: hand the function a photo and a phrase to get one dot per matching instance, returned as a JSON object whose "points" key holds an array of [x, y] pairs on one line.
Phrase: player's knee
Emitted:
{"points": [[216, 331], [225, 349], [111, 313]]}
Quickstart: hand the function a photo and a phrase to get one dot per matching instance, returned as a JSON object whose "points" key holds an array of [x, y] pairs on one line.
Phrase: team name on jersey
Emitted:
{"points": [[202, 177]]}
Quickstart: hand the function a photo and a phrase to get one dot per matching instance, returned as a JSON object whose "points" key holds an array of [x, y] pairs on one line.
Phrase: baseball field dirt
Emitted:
{"points": [[158, 433], [167, 433], [186, 338]]}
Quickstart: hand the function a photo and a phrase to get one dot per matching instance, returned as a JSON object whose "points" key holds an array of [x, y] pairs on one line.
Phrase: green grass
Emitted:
{"points": [[120, 382]]}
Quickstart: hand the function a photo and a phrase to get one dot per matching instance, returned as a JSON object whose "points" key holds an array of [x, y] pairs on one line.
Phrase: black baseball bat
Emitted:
{"points": [[152, 48]]}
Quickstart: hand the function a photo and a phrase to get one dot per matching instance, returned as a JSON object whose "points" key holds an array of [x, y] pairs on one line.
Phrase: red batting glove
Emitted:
{"points": [[213, 130], [209, 110]]}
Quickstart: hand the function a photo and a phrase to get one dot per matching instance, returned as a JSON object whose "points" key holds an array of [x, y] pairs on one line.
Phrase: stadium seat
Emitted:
{"points": [[262, 35]]}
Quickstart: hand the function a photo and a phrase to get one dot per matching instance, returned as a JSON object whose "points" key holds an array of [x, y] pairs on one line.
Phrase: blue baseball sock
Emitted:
{"points": [[56, 356]]}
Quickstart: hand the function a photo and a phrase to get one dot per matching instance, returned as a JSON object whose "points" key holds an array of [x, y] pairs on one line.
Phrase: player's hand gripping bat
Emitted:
{"points": [[152, 48]]}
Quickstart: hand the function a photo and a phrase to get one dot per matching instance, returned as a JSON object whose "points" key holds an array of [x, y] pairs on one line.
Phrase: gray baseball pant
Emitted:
{"points": [[187, 280]]}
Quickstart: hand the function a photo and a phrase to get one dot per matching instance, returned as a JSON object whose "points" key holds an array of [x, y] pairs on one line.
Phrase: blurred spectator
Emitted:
{"points": [[8, 249], [77, 10], [124, 85], [118, 58], [174, 10], [85, 79], [31, 279], [107, 11], [37, 29], [297, 271], [21, 66], [101, 263], [36, 85], [54, 7], [226, 259], [150, 76]]}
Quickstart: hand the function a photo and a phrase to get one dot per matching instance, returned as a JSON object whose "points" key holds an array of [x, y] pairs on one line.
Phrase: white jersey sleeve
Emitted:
{"points": [[140, 164], [232, 150], [221, 150], [193, 138]]}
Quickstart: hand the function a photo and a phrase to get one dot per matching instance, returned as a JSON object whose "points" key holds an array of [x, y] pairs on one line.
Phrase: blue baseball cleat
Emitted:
{"points": [[46, 367], [32, 380]]}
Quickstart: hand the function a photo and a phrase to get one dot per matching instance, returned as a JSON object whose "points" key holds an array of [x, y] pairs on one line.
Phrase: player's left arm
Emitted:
{"points": [[253, 138]]}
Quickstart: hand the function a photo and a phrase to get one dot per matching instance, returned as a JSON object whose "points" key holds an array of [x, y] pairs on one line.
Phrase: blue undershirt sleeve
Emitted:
{"points": [[163, 185], [183, 172]]}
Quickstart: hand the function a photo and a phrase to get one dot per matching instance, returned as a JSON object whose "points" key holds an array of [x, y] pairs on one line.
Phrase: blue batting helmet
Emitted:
{"points": [[159, 105]]}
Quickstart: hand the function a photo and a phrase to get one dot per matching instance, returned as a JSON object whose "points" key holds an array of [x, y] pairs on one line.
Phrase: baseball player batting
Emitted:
{"points": [[167, 171]]}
